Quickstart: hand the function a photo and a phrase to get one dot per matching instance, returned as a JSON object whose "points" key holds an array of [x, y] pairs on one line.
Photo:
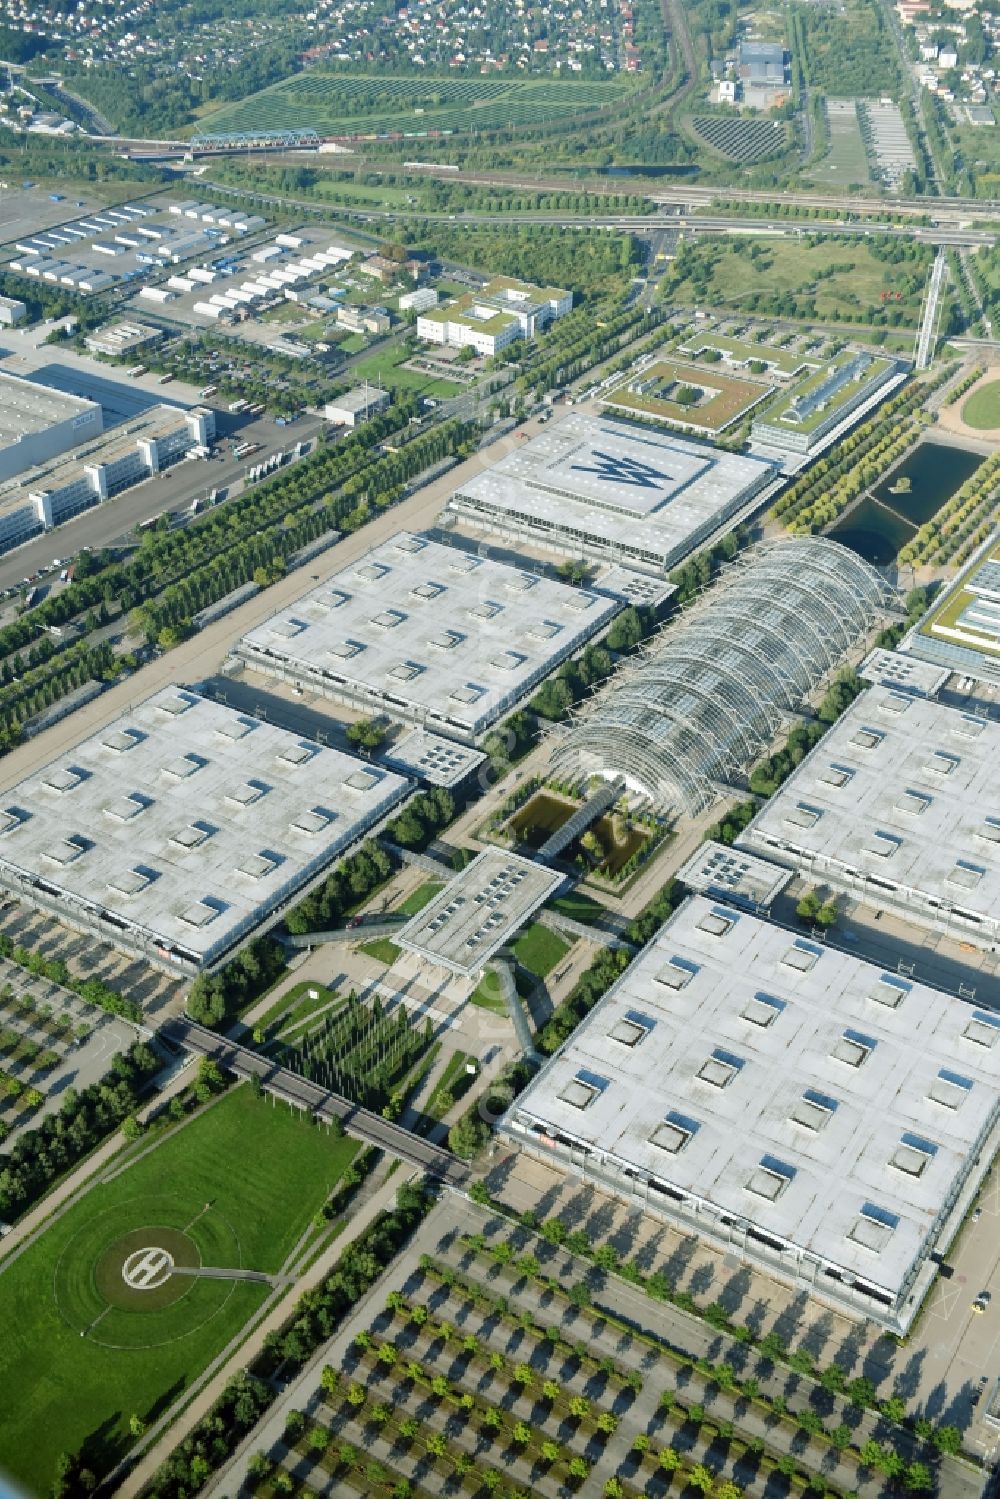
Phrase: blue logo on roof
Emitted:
{"points": [[624, 471]]}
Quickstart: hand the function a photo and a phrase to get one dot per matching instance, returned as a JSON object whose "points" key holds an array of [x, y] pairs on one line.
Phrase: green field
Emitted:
{"points": [[982, 408], [822, 279], [240, 1184], [386, 366], [417, 899], [345, 104], [539, 950], [846, 161]]}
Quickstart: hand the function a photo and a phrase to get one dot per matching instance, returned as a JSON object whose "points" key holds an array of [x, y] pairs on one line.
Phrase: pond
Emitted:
{"points": [[888, 518], [543, 814]]}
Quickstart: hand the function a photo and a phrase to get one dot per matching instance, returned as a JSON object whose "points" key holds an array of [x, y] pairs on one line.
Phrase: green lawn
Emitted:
{"points": [[387, 367], [263, 1171], [419, 898], [381, 949], [982, 408], [487, 995], [539, 950], [579, 907], [296, 1005], [829, 279]]}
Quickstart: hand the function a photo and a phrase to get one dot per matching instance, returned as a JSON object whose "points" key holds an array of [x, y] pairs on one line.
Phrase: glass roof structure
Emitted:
{"points": [[704, 704]]}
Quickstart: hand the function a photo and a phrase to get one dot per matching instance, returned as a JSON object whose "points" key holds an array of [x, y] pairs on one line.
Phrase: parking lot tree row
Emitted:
{"points": [[42, 1154], [314, 1319]]}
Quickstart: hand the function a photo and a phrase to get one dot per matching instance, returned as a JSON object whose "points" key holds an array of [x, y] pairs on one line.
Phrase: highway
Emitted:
{"points": [[324, 1105], [692, 221]]}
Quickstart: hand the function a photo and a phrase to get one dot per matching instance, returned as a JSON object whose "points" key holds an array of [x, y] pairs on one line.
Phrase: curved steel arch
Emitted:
{"points": [[710, 694]]}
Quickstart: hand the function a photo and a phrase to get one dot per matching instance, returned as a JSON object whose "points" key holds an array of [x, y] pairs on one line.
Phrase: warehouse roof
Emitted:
{"points": [[800, 1090], [628, 486], [478, 911], [186, 822], [428, 632], [27, 408], [903, 791]]}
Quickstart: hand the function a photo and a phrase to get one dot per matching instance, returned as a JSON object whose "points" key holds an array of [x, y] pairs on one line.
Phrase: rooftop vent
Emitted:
{"points": [[814, 1110], [674, 1132], [582, 1089], [762, 1009]]}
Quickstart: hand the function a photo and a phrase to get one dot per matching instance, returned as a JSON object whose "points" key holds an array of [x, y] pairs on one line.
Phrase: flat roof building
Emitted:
{"points": [[490, 319], [478, 911], [961, 630], [357, 405], [180, 829], [806, 413], [432, 758], [428, 634], [603, 488], [898, 804], [122, 340], [796, 1104], [37, 423]]}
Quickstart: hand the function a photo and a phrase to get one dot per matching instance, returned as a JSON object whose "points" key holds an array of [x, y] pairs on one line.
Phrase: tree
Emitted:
{"points": [[918, 1478], [808, 907], [551, 1451], [366, 734], [701, 1478], [948, 1439], [319, 1439], [521, 1433], [136, 1425], [669, 1459]]}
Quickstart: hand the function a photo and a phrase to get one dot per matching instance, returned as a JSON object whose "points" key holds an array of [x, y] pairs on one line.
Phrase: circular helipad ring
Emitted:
{"points": [[147, 1268]]}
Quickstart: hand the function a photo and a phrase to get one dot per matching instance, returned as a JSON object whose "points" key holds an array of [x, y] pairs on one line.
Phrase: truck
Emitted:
{"points": [[235, 406]]}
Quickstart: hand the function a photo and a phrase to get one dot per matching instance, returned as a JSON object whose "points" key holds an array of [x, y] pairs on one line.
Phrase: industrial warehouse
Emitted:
{"points": [[38, 423], [900, 805], [825, 1119], [53, 492], [612, 490], [428, 634], [182, 827], [703, 706]]}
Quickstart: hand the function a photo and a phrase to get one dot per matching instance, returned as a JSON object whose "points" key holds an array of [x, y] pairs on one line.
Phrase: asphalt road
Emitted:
{"points": [[202, 655]]}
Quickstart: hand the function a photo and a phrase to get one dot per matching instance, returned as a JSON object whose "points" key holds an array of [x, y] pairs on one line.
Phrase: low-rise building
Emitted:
{"points": [[123, 340], [803, 1109], [489, 320], [357, 406], [12, 310]]}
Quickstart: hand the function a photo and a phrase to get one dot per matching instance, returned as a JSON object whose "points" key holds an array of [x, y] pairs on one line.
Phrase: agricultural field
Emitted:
{"points": [[687, 396], [342, 104], [746, 141], [86, 1347], [827, 279], [491, 1360], [846, 161]]}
